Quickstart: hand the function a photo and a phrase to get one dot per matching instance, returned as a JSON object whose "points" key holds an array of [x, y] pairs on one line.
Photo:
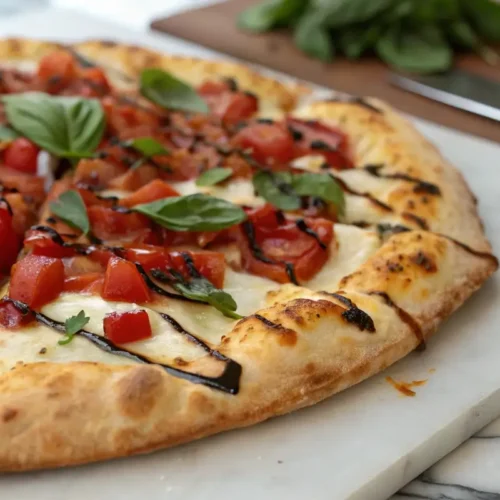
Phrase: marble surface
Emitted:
{"points": [[471, 472]]}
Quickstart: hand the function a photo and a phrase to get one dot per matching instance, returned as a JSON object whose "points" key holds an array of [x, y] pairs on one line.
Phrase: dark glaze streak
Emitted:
{"points": [[388, 230], [193, 272], [463, 246], [7, 204], [353, 314], [420, 185], [356, 100], [403, 316], [268, 322], [421, 223], [227, 382], [257, 252], [302, 226]]}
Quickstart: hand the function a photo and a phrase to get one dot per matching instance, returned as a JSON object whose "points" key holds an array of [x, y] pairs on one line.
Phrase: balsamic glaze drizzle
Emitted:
{"points": [[257, 252], [228, 381], [302, 226], [7, 204], [356, 100], [353, 314], [421, 223], [420, 185]]}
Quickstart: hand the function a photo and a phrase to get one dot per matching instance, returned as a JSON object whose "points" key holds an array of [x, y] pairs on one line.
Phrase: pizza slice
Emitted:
{"points": [[215, 248]]}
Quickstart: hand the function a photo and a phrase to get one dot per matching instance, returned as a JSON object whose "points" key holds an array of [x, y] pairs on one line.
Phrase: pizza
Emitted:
{"points": [[188, 247]]}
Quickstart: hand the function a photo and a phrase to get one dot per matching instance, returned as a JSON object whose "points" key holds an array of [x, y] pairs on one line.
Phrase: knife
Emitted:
{"points": [[457, 88]]}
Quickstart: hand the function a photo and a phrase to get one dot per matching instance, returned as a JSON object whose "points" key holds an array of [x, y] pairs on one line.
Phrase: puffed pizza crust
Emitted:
{"points": [[57, 414]]}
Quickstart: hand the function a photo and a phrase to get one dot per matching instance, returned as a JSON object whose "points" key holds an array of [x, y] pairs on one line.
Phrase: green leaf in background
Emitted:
{"points": [[7, 134], [355, 41], [484, 16], [194, 212], [213, 176], [147, 146], [340, 13], [270, 13], [167, 91], [276, 188], [312, 37], [421, 51], [431, 11], [321, 186], [64, 126], [73, 325], [70, 208]]}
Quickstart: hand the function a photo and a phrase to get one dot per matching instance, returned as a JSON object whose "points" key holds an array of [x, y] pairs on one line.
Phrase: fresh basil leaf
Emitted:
{"points": [[73, 325], [355, 41], [322, 186], [276, 188], [432, 11], [147, 146], [313, 38], [213, 176], [204, 291], [63, 126], [339, 13], [484, 16], [195, 212], [169, 92], [420, 51], [271, 13], [7, 134], [461, 33], [71, 209]]}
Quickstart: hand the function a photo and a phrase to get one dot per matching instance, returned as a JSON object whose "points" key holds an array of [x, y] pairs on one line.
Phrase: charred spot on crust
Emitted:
{"points": [[394, 267], [287, 336], [354, 314], [425, 261], [387, 230], [9, 414], [421, 223]]}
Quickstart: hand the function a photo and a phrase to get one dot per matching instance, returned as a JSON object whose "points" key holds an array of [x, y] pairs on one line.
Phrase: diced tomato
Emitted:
{"points": [[284, 243], [26, 184], [57, 70], [132, 180], [10, 243], [22, 155], [317, 138], [109, 224], [81, 282], [97, 172], [123, 282], [96, 78], [184, 165], [36, 280], [148, 256], [101, 255], [24, 213], [231, 106], [153, 191], [41, 243], [270, 143], [11, 317], [95, 288], [129, 326], [211, 265]]}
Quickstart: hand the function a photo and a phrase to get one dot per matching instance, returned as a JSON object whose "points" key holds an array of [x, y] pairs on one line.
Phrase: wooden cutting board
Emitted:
{"points": [[215, 27]]}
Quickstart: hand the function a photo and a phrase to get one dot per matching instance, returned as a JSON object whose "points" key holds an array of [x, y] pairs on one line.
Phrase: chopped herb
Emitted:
{"points": [[73, 325]]}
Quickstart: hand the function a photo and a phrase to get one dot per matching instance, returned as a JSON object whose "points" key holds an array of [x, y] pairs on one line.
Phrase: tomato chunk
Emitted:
{"points": [[285, 248], [129, 326], [123, 282], [10, 242], [41, 243], [148, 256], [80, 283], [316, 138], [22, 155], [36, 280], [11, 317], [209, 264], [270, 143], [57, 70], [153, 191]]}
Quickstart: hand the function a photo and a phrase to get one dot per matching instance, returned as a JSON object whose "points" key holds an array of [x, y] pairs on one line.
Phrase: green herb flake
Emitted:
{"points": [[213, 176], [147, 146], [276, 188], [167, 91], [72, 326], [70, 208]]}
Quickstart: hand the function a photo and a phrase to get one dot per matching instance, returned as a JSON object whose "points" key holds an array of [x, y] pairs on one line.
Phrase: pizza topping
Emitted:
{"points": [[71, 209], [82, 283], [123, 282], [7, 134], [126, 327], [155, 190], [11, 243], [22, 155], [214, 176], [73, 325], [169, 92], [36, 280], [11, 317]]}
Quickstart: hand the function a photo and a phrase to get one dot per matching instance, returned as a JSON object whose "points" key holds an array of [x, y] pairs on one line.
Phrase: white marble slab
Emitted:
{"points": [[365, 443]]}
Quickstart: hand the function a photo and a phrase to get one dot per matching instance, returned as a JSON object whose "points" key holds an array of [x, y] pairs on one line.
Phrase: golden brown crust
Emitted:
{"points": [[295, 352]]}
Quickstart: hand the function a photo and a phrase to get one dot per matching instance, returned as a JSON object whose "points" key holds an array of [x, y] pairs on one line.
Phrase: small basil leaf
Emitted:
{"points": [[355, 41], [195, 212], [73, 325], [71, 209], [321, 186], [313, 38], [339, 13], [147, 146], [213, 176], [7, 134], [167, 91], [276, 188], [63, 126], [271, 13]]}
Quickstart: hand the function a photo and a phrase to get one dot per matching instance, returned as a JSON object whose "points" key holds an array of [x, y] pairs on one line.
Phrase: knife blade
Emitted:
{"points": [[457, 88]]}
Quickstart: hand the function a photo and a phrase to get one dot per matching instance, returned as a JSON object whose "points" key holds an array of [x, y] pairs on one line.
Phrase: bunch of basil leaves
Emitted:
{"points": [[419, 36]]}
